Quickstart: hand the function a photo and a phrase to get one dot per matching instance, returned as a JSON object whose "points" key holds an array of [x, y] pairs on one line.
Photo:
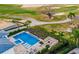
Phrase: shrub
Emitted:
{"points": [[41, 42], [39, 31], [17, 31]]}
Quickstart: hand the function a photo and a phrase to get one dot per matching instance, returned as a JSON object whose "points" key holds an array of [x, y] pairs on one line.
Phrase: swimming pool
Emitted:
{"points": [[26, 39]]}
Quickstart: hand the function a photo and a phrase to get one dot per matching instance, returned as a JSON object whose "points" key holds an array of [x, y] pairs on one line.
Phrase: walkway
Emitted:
{"points": [[36, 22]]}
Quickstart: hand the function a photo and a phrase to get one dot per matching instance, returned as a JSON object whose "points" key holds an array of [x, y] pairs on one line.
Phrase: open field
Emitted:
{"points": [[35, 12]]}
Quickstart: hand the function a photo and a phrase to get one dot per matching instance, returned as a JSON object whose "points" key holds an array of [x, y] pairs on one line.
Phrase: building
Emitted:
{"points": [[74, 51]]}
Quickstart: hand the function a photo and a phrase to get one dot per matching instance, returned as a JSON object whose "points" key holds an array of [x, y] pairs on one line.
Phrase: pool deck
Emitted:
{"points": [[33, 49], [10, 51]]}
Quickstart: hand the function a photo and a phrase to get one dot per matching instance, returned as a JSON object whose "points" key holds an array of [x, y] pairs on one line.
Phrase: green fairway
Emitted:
{"points": [[15, 9], [66, 9]]}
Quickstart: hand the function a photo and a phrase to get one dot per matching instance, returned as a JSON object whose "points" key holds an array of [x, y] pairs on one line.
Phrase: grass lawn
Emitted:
{"points": [[66, 9], [9, 10], [14, 9], [42, 17], [33, 12], [56, 27]]}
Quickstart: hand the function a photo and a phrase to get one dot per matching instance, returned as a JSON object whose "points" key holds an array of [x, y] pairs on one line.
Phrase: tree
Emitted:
{"points": [[41, 42], [60, 36], [45, 50], [47, 46], [71, 40], [18, 23], [15, 21], [71, 15], [75, 32], [47, 11], [27, 23]]}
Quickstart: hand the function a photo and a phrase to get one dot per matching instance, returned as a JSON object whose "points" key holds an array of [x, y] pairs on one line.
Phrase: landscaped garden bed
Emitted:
{"points": [[39, 31]]}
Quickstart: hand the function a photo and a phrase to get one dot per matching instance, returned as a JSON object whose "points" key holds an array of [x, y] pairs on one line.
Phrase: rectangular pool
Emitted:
{"points": [[26, 38]]}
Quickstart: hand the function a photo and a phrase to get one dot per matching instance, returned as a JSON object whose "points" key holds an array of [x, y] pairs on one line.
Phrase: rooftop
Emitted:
{"points": [[5, 24], [74, 51]]}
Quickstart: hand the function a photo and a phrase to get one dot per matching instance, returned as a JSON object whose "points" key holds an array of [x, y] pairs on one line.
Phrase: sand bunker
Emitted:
{"points": [[33, 5]]}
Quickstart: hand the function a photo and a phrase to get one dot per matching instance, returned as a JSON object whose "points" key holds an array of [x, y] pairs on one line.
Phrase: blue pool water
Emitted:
{"points": [[26, 38], [5, 47]]}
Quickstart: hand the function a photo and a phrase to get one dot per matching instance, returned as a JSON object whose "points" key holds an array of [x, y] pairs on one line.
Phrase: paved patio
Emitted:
{"points": [[50, 41]]}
